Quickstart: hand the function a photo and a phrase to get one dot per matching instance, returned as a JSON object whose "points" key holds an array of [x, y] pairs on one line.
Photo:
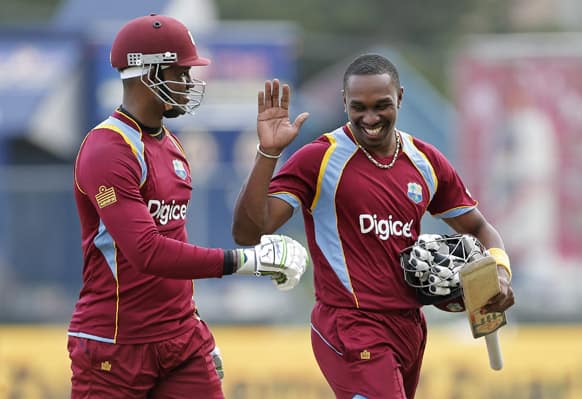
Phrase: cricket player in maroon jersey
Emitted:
{"points": [[363, 189], [135, 331]]}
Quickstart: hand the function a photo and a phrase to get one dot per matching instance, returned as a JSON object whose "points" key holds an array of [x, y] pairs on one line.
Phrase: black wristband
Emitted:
{"points": [[230, 264]]}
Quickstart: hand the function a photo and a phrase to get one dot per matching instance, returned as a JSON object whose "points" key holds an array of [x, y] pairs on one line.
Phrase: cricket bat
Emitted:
{"points": [[480, 283]]}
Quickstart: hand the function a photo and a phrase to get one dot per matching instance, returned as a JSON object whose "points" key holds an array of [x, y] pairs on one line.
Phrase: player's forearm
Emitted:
{"points": [[489, 236], [249, 220], [479, 227], [474, 223], [244, 229], [165, 257], [137, 238], [251, 214]]}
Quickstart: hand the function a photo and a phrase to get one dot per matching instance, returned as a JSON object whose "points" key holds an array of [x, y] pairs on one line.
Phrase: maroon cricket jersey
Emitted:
{"points": [[132, 192], [359, 217]]}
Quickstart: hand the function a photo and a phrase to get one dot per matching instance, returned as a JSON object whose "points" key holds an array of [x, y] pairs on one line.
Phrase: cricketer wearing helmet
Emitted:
{"points": [[135, 332]]}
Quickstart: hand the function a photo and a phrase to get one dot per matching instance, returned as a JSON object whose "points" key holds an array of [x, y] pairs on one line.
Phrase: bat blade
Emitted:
{"points": [[480, 283]]}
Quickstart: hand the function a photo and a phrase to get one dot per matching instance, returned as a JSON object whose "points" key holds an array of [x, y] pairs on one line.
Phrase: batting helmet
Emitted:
{"points": [[151, 44], [154, 39], [432, 266]]}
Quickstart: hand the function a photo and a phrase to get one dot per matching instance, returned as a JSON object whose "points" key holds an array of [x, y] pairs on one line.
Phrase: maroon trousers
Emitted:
{"points": [[179, 368], [365, 354]]}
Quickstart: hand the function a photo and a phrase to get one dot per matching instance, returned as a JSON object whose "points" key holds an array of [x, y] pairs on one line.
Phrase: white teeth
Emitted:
{"points": [[373, 132]]}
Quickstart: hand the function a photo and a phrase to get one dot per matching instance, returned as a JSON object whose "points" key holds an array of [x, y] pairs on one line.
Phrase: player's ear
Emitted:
{"points": [[344, 99], [400, 96]]}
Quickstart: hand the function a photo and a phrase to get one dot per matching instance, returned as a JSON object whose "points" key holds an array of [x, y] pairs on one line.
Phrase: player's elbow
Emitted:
{"points": [[242, 239], [245, 236]]}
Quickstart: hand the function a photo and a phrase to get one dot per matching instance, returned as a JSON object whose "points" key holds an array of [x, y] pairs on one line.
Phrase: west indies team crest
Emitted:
{"points": [[415, 192], [180, 169]]}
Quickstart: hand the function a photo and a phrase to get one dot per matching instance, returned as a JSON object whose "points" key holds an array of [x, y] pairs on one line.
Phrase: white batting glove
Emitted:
{"points": [[442, 286], [429, 241], [433, 266], [419, 262], [278, 256], [217, 359]]}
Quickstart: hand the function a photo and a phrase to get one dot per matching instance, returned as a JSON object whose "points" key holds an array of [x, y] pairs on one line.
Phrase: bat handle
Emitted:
{"points": [[494, 351]]}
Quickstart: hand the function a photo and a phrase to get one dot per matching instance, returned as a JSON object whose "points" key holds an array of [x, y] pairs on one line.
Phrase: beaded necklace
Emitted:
{"points": [[383, 165]]}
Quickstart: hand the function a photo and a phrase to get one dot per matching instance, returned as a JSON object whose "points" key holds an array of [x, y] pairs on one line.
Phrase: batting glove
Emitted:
{"points": [[217, 359], [278, 256], [437, 272]]}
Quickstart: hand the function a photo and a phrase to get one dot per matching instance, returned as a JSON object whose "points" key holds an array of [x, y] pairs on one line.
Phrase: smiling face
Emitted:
{"points": [[372, 103]]}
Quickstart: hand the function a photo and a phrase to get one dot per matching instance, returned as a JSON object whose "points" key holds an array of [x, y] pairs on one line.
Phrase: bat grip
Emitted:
{"points": [[494, 351]]}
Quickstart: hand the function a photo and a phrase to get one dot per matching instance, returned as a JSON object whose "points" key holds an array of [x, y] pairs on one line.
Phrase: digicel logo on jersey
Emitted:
{"points": [[166, 212], [384, 228]]}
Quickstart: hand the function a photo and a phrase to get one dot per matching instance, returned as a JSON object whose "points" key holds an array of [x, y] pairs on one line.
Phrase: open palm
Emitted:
{"points": [[274, 128]]}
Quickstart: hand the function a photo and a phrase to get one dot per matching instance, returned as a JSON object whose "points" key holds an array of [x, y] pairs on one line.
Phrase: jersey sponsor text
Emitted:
{"points": [[166, 212], [384, 228]]}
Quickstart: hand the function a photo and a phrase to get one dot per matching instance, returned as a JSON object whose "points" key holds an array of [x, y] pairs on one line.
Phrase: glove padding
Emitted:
{"points": [[278, 256], [217, 359], [433, 263]]}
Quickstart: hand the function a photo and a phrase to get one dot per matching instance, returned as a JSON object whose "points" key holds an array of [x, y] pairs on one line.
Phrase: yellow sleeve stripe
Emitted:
{"points": [[76, 162], [138, 153], [176, 142], [123, 135], [322, 167]]}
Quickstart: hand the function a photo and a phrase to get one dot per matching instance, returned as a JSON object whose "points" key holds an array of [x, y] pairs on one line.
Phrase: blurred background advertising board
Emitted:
{"points": [[520, 146], [36, 69], [275, 362]]}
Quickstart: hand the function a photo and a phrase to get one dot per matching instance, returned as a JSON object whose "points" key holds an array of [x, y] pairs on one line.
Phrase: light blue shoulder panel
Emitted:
{"points": [[421, 162], [106, 245], [324, 213], [133, 138]]}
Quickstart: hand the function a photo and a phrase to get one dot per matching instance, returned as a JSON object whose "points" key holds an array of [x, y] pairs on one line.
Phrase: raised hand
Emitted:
{"points": [[274, 128]]}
